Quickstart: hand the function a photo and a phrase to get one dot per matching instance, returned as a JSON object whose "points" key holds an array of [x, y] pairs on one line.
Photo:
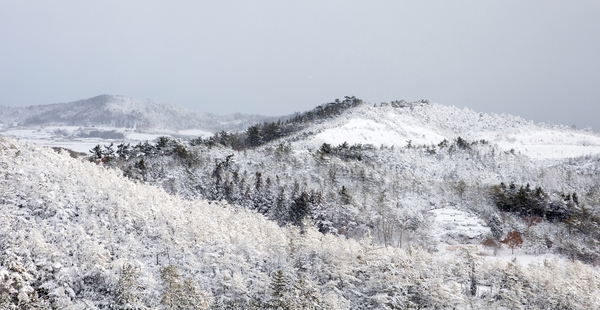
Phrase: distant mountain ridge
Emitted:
{"points": [[124, 112]]}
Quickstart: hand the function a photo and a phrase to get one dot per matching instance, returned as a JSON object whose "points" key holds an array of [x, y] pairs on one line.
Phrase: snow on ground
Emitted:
{"points": [[421, 125], [83, 146], [457, 222], [453, 224], [66, 136], [28, 134], [142, 136], [383, 132], [551, 144], [195, 133], [430, 124]]}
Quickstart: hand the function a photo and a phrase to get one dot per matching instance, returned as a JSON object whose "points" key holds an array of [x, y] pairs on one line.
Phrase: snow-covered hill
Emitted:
{"points": [[419, 225], [429, 124], [76, 235]]}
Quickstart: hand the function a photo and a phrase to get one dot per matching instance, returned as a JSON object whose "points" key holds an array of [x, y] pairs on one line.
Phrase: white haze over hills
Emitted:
{"points": [[123, 112], [80, 125]]}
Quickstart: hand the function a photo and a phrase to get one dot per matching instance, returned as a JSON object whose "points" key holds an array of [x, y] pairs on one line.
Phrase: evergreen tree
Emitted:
{"points": [[128, 290], [300, 209], [180, 295], [280, 292], [307, 296], [253, 138], [171, 278], [97, 153]]}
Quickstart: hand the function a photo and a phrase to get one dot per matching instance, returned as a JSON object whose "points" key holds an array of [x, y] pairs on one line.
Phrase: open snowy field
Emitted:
{"points": [[83, 139]]}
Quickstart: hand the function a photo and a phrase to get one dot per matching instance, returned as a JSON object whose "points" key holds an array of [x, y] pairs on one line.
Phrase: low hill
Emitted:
{"points": [[424, 123]]}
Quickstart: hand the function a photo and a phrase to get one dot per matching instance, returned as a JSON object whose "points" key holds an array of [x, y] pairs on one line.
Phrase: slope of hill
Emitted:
{"points": [[288, 171], [123, 112], [423, 123], [79, 236]]}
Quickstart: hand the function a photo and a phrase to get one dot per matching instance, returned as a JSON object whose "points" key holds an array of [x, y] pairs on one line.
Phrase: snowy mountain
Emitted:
{"points": [[123, 112], [285, 172]]}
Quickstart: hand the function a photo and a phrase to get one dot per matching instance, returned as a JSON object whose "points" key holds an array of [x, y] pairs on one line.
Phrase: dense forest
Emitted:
{"points": [[80, 236], [351, 189]]}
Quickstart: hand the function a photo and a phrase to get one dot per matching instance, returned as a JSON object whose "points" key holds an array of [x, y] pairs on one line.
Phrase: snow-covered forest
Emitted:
{"points": [[343, 207]]}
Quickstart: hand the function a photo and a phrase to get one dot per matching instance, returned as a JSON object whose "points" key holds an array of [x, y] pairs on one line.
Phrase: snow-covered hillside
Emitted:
{"points": [[76, 235], [423, 123]]}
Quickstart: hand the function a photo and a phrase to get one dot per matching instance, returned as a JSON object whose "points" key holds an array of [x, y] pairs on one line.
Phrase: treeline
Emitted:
{"points": [[164, 146], [534, 205], [328, 110], [268, 197], [259, 134], [526, 201], [344, 151], [286, 201]]}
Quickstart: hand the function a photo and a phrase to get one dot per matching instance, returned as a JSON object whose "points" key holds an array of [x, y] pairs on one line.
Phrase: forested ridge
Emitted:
{"points": [[350, 189]]}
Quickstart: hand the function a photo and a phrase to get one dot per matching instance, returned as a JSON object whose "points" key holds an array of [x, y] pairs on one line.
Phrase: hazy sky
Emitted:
{"points": [[536, 59]]}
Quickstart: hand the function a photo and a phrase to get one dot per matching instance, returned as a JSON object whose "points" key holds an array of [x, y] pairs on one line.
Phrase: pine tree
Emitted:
{"points": [[128, 290], [300, 209], [253, 136], [193, 298], [306, 294], [280, 293], [16, 291], [97, 153], [345, 196], [171, 278], [180, 294], [280, 213]]}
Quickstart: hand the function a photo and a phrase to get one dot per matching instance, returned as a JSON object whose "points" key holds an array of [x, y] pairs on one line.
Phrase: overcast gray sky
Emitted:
{"points": [[536, 59]]}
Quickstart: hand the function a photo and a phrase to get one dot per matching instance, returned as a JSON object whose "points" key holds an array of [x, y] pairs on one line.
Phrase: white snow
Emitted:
{"points": [[551, 144], [456, 222], [63, 136], [430, 124], [368, 131], [387, 126], [195, 133], [141, 136]]}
